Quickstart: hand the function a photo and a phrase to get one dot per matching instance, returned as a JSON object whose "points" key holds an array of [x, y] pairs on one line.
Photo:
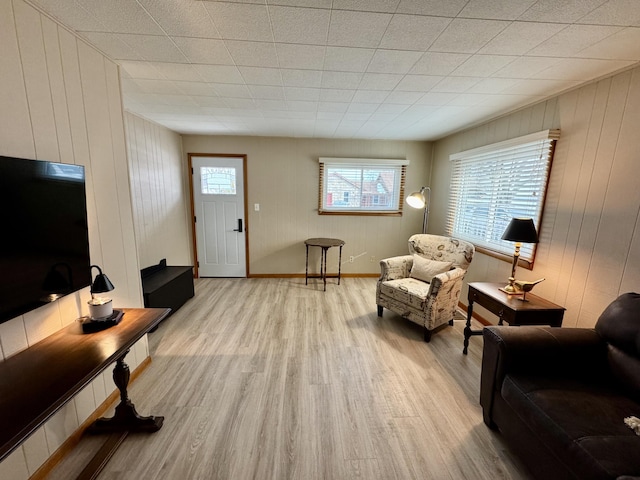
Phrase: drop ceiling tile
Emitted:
{"points": [[332, 107], [384, 117], [203, 50], [370, 96], [329, 114], [178, 100], [208, 101], [470, 99], [572, 39], [139, 69], [455, 84], [253, 54], [302, 3], [301, 106], [624, 45], [615, 12], [180, 16], [271, 104], [403, 98], [483, 65], [242, 103], [306, 57], [74, 16], [388, 6], [450, 8], [302, 94], [266, 92], [157, 86], [363, 107], [261, 76], [562, 12], [418, 83], [130, 86], [496, 9], [467, 36], [393, 61], [580, 69], [433, 63], [492, 85], [357, 29], [526, 67], [379, 81], [234, 91], [336, 95], [301, 78], [219, 73], [410, 32], [345, 59], [237, 21], [112, 45], [538, 87], [300, 25], [356, 117], [395, 108], [178, 71], [196, 88], [123, 17], [340, 79], [520, 37], [436, 98]]}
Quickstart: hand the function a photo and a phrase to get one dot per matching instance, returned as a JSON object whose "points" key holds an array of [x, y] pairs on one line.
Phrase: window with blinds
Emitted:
{"points": [[490, 185], [361, 186]]}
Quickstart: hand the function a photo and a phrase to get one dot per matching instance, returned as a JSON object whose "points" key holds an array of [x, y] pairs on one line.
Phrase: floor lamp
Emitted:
{"points": [[421, 199]]}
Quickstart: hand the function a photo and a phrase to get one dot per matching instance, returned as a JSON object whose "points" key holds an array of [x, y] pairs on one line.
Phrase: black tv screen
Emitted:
{"points": [[44, 244]]}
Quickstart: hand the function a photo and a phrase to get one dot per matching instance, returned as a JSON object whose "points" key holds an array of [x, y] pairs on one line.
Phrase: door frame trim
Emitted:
{"points": [[193, 207]]}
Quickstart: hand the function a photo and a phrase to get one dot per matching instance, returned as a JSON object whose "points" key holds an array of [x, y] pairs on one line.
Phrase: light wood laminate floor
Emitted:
{"points": [[272, 379]]}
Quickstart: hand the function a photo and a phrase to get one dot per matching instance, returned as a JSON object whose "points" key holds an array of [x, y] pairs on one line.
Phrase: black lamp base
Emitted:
{"points": [[90, 325]]}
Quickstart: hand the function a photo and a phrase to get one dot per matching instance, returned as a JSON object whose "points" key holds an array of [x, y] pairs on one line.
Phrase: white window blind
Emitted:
{"points": [[362, 186], [490, 185]]}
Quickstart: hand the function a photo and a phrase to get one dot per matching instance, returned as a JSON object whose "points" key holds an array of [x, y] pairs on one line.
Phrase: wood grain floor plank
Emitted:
{"points": [[272, 379]]}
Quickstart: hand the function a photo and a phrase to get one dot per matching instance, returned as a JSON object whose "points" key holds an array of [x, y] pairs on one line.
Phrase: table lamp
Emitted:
{"points": [[519, 230], [100, 307], [420, 200]]}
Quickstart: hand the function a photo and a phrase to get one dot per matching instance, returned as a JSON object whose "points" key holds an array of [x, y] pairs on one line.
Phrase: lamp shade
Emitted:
{"points": [[416, 200], [521, 230], [101, 283]]}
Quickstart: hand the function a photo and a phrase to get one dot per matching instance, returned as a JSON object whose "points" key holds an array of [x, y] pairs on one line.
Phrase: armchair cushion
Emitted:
{"points": [[425, 269]]}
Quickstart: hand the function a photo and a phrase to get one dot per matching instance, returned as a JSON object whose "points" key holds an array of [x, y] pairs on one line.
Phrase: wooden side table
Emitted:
{"points": [[325, 244], [510, 308]]}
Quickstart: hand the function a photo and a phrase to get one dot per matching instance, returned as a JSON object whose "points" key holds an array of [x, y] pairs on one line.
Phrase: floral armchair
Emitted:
{"points": [[425, 286]]}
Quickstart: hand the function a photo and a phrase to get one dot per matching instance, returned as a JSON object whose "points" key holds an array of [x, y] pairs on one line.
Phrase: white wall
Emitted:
{"points": [[589, 250], [60, 100], [160, 190], [283, 177]]}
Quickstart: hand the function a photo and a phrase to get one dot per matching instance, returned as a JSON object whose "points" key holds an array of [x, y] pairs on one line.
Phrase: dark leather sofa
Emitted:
{"points": [[559, 396]]}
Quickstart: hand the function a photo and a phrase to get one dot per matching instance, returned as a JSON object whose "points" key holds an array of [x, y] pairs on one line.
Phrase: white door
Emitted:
{"points": [[218, 198]]}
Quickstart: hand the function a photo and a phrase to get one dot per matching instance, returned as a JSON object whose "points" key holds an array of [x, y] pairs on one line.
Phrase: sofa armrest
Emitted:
{"points": [[540, 351], [395, 267]]}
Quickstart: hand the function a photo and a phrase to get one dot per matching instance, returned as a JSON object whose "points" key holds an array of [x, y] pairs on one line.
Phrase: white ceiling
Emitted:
{"points": [[391, 69]]}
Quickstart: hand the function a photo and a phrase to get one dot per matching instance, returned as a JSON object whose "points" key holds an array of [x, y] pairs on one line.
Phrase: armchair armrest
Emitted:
{"points": [[540, 351], [395, 267], [443, 279]]}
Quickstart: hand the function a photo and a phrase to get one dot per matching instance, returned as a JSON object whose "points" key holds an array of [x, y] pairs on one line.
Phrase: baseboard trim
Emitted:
{"points": [[70, 443], [302, 275], [474, 315]]}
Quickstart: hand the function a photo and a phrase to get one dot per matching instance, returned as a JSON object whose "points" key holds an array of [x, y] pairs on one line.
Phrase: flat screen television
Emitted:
{"points": [[44, 242]]}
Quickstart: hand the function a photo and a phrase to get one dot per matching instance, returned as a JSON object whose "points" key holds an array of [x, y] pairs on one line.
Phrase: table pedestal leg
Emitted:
{"points": [[306, 266], [339, 264], [467, 328], [126, 417]]}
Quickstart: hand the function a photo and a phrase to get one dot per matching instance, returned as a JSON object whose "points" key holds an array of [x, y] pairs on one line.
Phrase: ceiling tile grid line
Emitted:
{"points": [[408, 69]]}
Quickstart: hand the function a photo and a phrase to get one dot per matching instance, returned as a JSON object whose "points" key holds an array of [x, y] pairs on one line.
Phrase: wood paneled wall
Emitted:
{"points": [[283, 176], [60, 101], [589, 250], [160, 190]]}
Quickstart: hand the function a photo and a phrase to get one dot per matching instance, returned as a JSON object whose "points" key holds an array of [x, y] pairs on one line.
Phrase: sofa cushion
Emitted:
{"points": [[581, 423], [406, 290], [619, 323], [425, 269]]}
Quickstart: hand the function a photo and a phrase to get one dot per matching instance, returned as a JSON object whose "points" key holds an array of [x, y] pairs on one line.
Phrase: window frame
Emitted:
{"points": [[326, 163], [530, 154]]}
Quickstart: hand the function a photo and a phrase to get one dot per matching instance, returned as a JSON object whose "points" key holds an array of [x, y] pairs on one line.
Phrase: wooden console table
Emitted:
{"points": [[510, 308], [35, 383], [325, 244]]}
